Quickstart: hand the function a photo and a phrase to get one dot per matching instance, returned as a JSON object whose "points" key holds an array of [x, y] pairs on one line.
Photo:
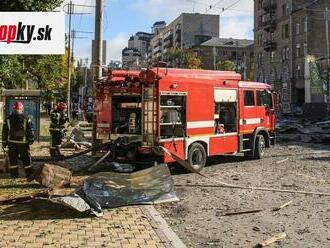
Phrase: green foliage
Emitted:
{"points": [[29, 5], [183, 58], [10, 73], [226, 65]]}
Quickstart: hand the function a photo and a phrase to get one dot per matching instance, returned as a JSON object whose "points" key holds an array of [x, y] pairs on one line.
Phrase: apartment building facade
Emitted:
{"points": [[238, 51], [186, 31], [290, 35], [135, 54]]}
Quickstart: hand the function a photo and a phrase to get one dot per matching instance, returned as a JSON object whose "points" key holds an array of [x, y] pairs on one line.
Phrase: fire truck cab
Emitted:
{"points": [[194, 114]]}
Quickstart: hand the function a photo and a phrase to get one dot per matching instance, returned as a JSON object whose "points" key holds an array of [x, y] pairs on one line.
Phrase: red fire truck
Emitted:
{"points": [[194, 114]]}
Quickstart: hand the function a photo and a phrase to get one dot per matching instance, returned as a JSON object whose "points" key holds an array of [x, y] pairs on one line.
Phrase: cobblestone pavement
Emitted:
{"points": [[38, 223], [41, 224]]}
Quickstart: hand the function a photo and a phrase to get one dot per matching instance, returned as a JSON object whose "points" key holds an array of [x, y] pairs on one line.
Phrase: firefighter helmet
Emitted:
{"points": [[18, 106], [61, 106]]}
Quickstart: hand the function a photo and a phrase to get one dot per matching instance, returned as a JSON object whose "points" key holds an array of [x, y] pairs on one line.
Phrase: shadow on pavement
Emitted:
{"points": [[177, 169], [21, 186], [38, 210], [323, 159]]}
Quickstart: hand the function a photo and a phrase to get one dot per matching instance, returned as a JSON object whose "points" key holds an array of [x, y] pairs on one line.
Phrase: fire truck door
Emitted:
{"points": [[265, 108], [248, 120]]}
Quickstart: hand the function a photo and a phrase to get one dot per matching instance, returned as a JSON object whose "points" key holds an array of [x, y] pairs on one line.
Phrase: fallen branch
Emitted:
{"points": [[275, 238], [243, 212], [282, 206], [282, 161]]}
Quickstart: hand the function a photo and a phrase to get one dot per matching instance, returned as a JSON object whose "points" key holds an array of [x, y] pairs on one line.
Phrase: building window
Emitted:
{"points": [[259, 62], [298, 50], [272, 56], [287, 54], [298, 72], [260, 40], [305, 49], [283, 53], [305, 24], [260, 21], [259, 4], [285, 31], [272, 36], [297, 28], [286, 9], [249, 98]]}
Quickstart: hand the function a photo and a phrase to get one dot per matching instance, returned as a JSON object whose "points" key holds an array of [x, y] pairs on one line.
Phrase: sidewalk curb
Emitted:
{"points": [[163, 230]]}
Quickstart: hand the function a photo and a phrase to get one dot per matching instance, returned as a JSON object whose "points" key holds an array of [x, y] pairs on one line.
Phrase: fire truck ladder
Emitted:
{"points": [[149, 114]]}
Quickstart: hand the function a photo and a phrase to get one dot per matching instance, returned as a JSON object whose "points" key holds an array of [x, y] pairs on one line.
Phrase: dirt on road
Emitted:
{"points": [[200, 217]]}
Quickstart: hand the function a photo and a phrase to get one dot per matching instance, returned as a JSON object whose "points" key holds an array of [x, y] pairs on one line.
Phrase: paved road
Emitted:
{"points": [[199, 217]]}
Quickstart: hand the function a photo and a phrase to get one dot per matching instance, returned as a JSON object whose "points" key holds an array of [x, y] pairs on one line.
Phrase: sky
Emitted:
{"points": [[123, 18]]}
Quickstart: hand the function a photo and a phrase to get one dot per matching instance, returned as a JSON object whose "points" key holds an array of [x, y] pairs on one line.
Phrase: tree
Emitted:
{"points": [[29, 5], [226, 65], [193, 61], [182, 58]]}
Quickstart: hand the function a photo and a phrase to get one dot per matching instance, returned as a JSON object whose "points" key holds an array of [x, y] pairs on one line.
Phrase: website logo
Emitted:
{"points": [[32, 33]]}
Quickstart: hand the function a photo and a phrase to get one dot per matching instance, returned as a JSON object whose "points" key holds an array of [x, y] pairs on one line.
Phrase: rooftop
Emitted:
{"points": [[228, 42]]}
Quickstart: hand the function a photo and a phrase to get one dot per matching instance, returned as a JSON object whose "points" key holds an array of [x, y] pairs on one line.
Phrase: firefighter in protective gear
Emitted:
{"points": [[17, 134], [58, 118]]}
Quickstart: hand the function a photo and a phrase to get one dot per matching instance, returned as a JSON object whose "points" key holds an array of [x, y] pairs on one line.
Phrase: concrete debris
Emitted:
{"points": [[121, 168], [76, 140], [113, 166], [297, 129], [52, 176], [282, 161], [282, 206], [275, 238]]}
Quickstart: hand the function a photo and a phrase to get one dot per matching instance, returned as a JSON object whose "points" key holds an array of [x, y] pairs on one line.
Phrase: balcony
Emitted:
{"points": [[269, 5], [269, 23], [168, 44], [168, 37], [270, 46]]}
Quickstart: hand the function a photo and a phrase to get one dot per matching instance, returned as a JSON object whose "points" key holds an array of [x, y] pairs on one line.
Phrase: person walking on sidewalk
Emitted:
{"points": [[58, 118], [17, 135]]}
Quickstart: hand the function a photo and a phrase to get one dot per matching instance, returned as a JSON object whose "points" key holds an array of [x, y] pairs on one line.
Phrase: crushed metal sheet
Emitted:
{"points": [[109, 190]]}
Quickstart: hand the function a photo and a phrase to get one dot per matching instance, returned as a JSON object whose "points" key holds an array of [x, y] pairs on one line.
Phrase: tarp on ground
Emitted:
{"points": [[109, 190]]}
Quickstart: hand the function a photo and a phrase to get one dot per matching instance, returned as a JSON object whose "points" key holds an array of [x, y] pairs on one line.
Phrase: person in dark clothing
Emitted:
{"points": [[48, 107], [17, 135], [58, 118]]}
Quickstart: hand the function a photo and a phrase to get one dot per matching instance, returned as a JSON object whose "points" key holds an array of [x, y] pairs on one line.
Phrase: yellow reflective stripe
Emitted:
{"points": [[17, 141], [13, 167], [55, 129], [8, 125], [25, 123], [28, 167]]}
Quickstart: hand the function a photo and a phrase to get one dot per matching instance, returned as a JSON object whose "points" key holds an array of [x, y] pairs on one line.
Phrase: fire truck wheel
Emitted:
{"points": [[260, 147], [197, 156]]}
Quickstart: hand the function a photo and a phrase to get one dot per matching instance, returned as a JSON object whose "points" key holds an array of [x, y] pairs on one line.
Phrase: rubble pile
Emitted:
{"points": [[76, 140], [298, 129]]}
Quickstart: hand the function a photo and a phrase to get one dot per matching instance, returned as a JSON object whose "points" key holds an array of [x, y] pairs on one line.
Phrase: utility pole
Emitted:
{"points": [[69, 63], [98, 38], [328, 55], [97, 61]]}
